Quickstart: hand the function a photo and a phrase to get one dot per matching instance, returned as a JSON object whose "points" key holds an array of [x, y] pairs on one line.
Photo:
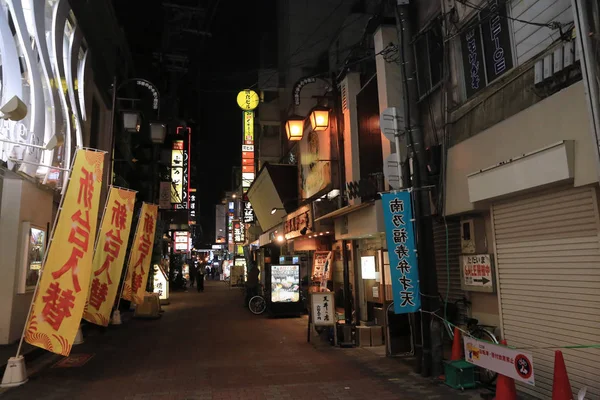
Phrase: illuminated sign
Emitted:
{"points": [[248, 100], [177, 172], [248, 213], [248, 127], [182, 241], [239, 231], [192, 209]]}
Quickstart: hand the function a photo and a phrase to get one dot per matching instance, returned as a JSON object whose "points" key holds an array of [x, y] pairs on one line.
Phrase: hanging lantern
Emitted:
{"points": [[294, 128], [319, 119]]}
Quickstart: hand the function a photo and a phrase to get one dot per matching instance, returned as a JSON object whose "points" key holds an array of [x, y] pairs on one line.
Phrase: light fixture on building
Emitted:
{"points": [[280, 238], [319, 119], [132, 120], [158, 132], [294, 128], [275, 209]]}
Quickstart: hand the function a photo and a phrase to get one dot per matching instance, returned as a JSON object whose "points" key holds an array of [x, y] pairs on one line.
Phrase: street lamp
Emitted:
{"points": [[132, 120], [158, 132], [294, 128], [275, 209], [319, 119]]}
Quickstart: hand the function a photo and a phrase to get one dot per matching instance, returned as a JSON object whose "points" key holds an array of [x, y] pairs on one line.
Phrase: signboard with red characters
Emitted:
{"points": [[504, 360], [477, 273]]}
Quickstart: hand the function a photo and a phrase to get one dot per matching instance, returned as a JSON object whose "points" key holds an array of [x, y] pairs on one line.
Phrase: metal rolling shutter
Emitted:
{"points": [[548, 260], [454, 249]]}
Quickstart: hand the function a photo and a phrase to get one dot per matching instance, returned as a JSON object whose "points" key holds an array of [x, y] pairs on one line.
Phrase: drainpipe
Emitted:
{"points": [[429, 361], [337, 111]]}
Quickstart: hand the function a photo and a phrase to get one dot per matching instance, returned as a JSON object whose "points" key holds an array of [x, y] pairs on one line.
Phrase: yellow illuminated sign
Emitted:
{"points": [[177, 172], [248, 127], [248, 100]]}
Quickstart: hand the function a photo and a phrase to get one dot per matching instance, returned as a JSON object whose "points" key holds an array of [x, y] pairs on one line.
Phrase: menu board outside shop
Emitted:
{"points": [[285, 283]]}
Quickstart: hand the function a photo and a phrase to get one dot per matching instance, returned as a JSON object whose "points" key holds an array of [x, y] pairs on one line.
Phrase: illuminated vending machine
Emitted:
{"points": [[284, 294]]}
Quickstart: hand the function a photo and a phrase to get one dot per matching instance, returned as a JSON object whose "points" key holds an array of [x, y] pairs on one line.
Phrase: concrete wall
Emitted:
{"points": [[562, 116], [21, 201]]}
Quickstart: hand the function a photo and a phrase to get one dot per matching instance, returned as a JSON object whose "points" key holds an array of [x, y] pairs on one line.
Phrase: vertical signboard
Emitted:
{"points": [[192, 208], [400, 236], [247, 100], [177, 172], [186, 132], [239, 231], [486, 47]]}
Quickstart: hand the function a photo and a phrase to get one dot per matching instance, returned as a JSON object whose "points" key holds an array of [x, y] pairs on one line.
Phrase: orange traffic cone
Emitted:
{"points": [[561, 388], [456, 346], [505, 386]]}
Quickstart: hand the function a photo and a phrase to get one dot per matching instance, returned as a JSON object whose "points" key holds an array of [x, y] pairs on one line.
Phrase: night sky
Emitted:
{"points": [[220, 66]]}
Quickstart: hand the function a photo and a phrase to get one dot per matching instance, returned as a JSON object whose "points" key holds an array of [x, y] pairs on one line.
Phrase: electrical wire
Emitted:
{"points": [[551, 25]]}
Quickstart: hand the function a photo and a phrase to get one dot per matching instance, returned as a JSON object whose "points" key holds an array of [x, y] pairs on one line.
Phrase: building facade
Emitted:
{"points": [[62, 95]]}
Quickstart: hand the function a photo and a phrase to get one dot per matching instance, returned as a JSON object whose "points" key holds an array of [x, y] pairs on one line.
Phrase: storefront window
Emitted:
{"points": [[35, 246]]}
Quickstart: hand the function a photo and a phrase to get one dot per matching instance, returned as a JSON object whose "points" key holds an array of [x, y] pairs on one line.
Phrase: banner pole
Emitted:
{"points": [[37, 285], [129, 259]]}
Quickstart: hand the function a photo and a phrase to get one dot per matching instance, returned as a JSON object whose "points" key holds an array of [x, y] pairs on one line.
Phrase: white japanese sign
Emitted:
{"points": [[323, 309], [477, 273], [509, 362], [161, 283]]}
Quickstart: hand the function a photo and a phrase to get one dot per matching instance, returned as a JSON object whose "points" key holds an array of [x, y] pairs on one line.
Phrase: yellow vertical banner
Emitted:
{"points": [[138, 266], [109, 255], [62, 291]]}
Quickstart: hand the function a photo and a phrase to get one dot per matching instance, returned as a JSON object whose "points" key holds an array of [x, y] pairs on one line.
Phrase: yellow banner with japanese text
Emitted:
{"points": [[138, 266], [109, 255], [62, 292]]}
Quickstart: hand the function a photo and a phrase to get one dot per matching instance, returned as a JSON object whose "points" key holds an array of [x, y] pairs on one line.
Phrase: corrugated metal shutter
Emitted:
{"points": [[548, 259], [454, 249]]}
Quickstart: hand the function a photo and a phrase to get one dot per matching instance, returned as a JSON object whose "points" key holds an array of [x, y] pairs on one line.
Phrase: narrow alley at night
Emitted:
{"points": [[300, 199], [209, 346]]}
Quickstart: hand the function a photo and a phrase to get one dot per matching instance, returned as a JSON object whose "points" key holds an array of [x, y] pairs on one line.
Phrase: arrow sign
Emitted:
{"points": [[483, 280]]}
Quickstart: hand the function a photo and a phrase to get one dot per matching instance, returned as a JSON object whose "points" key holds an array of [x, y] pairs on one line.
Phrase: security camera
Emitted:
{"points": [[14, 109]]}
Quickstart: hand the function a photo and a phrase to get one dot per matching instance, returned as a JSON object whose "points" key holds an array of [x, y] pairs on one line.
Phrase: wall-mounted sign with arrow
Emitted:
{"points": [[477, 273]]}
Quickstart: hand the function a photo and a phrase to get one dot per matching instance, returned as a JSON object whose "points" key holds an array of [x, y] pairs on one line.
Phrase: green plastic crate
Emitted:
{"points": [[459, 374]]}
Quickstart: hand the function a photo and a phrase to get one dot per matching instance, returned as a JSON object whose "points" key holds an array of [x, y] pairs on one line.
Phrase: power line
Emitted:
{"points": [[481, 21]]}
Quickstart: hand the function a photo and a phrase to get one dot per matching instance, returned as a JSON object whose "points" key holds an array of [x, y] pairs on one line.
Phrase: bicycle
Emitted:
{"points": [[257, 303], [473, 329]]}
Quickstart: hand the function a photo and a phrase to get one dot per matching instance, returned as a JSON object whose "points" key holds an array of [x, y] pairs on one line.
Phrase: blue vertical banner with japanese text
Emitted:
{"points": [[401, 244]]}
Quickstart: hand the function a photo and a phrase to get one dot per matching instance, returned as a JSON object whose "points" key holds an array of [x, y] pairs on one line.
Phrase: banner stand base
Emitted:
{"points": [[78, 337], [116, 318], [15, 373]]}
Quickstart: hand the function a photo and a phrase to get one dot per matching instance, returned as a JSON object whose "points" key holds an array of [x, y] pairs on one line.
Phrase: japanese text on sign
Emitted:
{"points": [[139, 261], [476, 271], [323, 309], [59, 304], [512, 363], [402, 251], [109, 255]]}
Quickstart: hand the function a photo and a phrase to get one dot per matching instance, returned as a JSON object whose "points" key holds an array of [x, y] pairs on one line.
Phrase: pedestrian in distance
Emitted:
{"points": [[200, 279]]}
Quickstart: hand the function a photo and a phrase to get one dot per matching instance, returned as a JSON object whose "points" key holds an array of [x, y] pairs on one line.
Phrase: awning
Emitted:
{"points": [[345, 210], [275, 187]]}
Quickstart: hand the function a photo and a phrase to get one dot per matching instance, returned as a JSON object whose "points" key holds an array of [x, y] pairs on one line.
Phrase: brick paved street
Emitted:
{"points": [[207, 346]]}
